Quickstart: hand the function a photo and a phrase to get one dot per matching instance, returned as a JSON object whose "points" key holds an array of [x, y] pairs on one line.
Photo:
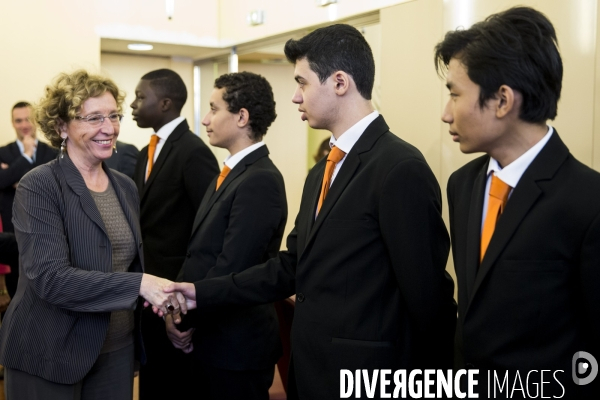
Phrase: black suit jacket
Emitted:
{"points": [[56, 324], [170, 198], [124, 159], [17, 167], [236, 227], [535, 300], [369, 272]]}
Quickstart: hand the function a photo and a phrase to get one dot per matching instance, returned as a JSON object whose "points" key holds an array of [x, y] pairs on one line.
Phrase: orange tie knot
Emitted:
{"points": [[500, 190], [335, 155], [222, 176]]}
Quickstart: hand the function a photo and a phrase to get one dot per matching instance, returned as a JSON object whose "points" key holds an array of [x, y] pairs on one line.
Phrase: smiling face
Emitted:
{"points": [[316, 100], [89, 144], [222, 125], [22, 122], [476, 129]]}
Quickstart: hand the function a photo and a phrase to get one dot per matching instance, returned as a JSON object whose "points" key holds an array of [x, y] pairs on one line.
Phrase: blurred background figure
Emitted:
{"points": [[16, 159], [71, 329], [124, 158], [323, 150]]}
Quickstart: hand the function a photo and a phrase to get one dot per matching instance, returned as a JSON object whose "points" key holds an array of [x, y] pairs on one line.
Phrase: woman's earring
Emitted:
{"points": [[115, 148], [63, 146]]}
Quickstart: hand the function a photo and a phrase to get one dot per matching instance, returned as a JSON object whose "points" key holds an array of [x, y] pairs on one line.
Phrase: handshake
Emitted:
{"points": [[168, 298]]}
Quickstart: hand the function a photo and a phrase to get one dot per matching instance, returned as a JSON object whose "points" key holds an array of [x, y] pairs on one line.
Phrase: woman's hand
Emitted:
{"points": [[151, 289]]}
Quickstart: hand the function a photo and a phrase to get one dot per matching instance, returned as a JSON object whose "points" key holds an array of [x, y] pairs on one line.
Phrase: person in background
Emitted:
{"points": [[124, 158], [172, 174], [16, 159], [524, 217], [72, 327], [322, 151]]}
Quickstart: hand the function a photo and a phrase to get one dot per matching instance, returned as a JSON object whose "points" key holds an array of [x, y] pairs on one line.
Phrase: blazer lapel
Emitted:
{"points": [[522, 199], [77, 184], [364, 144], [139, 182], [164, 153], [474, 229], [315, 190], [241, 166]]}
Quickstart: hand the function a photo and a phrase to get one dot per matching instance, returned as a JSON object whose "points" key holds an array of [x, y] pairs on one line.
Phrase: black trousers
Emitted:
{"points": [[111, 377], [221, 384], [168, 373]]}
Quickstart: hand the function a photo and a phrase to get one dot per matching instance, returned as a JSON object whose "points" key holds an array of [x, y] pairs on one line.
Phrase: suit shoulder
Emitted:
{"points": [[470, 169], [42, 175]]}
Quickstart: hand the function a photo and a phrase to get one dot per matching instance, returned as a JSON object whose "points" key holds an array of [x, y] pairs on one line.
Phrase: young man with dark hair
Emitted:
{"points": [[171, 174], [240, 223], [368, 253], [16, 159], [525, 217]]}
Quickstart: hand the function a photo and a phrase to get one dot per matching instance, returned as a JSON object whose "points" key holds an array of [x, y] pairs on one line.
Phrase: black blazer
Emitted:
{"points": [[56, 324], [236, 227], [170, 198], [535, 300], [124, 159], [369, 272], [17, 167]]}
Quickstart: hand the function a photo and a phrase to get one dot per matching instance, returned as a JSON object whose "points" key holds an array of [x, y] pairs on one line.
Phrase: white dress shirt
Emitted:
{"points": [[232, 160], [22, 150], [512, 173], [349, 138]]}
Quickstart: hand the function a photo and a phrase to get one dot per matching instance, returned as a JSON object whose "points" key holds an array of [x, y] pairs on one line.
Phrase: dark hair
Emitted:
{"points": [[167, 83], [336, 48], [518, 48], [252, 92], [21, 104]]}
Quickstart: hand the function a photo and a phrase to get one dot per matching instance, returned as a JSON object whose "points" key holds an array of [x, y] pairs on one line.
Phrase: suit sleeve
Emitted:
{"points": [[265, 283], [200, 169], [417, 241], [45, 255], [15, 171]]}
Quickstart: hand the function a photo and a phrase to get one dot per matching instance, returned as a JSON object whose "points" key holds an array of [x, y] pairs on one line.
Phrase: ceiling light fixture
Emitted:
{"points": [[140, 46]]}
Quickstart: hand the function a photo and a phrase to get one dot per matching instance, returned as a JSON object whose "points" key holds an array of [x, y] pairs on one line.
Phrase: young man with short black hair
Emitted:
{"points": [[525, 217]]}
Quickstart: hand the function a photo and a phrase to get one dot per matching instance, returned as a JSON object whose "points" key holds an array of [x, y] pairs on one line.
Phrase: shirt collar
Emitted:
{"points": [[232, 160], [21, 146], [348, 139], [165, 131], [511, 174]]}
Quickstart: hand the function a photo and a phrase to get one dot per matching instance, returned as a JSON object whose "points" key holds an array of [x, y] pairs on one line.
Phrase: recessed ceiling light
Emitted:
{"points": [[140, 46]]}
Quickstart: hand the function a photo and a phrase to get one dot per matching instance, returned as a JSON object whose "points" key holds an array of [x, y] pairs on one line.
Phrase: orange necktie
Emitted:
{"points": [[222, 176], [334, 157], [496, 202], [151, 150]]}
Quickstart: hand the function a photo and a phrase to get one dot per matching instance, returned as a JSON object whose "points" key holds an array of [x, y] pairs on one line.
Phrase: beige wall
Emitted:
{"points": [[38, 40]]}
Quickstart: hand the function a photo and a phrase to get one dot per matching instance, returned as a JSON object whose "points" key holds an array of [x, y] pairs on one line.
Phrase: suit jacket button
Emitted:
{"points": [[300, 297], [188, 254]]}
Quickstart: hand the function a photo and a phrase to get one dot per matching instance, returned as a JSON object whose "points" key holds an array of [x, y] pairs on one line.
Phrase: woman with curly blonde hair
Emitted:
{"points": [[72, 330]]}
